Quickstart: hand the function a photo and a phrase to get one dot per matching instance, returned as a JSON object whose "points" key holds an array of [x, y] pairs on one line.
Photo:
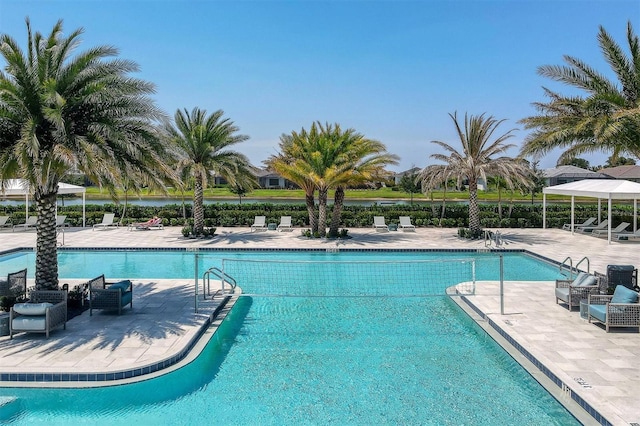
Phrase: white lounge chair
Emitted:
{"points": [[405, 224], [5, 221], [585, 229], [588, 222], [628, 236], [60, 221], [30, 222], [285, 223], [605, 232], [107, 220], [260, 222], [379, 224]]}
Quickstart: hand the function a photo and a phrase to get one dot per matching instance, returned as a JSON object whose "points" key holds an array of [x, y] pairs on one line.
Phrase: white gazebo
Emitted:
{"points": [[19, 187], [607, 189]]}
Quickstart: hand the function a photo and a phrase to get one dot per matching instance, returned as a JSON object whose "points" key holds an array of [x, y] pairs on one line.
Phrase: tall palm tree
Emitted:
{"points": [[59, 112], [478, 159], [606, 117], [203, 141]]}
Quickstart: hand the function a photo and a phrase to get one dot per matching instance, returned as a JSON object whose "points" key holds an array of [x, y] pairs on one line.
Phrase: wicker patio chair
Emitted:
{"points": [[618, 310], [109, 296], [15, 286], [45, 310], [573, 291]]}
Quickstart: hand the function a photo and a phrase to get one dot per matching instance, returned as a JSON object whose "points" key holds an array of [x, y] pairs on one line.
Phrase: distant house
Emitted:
{"points": [[565, 174], [269, 179], [398, 176], [628, 172]]}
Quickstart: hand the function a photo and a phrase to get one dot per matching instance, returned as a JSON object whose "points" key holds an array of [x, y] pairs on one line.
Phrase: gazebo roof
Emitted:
{"points": [[598, 188], [15, 187]]}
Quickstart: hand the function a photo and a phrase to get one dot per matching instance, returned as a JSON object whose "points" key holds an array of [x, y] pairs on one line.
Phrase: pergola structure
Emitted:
{"points": [[20, 187], [602, 189]]}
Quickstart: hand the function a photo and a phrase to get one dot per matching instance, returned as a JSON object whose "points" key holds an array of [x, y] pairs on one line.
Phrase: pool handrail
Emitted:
{"points": [[217, 272]]}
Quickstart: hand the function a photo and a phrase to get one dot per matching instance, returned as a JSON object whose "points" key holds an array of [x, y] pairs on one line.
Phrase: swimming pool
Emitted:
{"points": [[301, 360]]}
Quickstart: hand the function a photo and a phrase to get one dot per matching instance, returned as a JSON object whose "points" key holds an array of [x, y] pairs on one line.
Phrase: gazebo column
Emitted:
{"points": [[608, 218], [544, 211], [573, 208], [635, 215]]}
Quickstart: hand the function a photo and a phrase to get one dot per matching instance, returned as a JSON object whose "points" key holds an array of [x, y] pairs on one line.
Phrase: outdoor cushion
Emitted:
{"points": [[31, 308], [599, 312], [124, 285], [588, 279], [562, 294], [624, 295], [578, 280], [25, 323], [126, 298]]}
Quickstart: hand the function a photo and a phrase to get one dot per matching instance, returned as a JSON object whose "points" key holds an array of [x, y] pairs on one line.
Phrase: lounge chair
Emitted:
{"points": [[618, 310], [628, 236], [5, 221], [155, 223], [260, 222], [605, 232], [585, 229], [60, 221], [29, 223], [379, 224], [109, 296], [573, 291], [588, 222], [405, 223], [285, 224], [107, 220]]}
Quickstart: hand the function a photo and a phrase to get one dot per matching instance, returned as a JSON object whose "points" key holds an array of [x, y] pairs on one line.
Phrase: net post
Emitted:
{"points": [[195, 278], [501, 285]]}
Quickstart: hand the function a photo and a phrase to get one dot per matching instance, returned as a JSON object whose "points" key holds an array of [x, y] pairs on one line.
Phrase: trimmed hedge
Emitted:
{"points": [[353, 216]]}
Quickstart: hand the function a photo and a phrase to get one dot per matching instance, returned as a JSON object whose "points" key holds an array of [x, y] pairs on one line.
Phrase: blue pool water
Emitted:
{"points": [[302, 360]]}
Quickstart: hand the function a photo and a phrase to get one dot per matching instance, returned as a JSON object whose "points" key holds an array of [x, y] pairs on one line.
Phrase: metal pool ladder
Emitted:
{"points": [[571, 268], [221, 275]]}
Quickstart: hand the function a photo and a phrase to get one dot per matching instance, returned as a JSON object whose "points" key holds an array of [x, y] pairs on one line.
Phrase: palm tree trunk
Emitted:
{"points": [[322, 211], [500, 202], [198, 206], [474, 213], [338, 202], [444, 206], [311, 209], [46, 242]]}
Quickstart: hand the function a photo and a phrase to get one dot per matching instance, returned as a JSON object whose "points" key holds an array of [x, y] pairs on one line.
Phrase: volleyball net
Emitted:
{"points": [[352, 278]]}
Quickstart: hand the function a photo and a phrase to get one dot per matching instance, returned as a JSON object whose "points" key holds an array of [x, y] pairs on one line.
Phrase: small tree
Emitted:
{"points": [[410, 183]]}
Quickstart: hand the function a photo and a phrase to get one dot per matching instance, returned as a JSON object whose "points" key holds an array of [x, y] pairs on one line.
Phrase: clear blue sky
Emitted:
{"points": [[392, 70]]}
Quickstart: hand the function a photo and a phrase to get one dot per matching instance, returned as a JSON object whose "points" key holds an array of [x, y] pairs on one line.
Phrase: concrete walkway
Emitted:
{"points": [[602, 368]]}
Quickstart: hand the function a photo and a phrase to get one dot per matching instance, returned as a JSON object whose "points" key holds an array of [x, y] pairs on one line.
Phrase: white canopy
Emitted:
{"points": [[17, 187], [609, 189]]}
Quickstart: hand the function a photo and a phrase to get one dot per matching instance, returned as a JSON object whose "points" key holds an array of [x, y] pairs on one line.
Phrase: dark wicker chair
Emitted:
{"points": [[23, 317], [15, 286], [109, 296]]}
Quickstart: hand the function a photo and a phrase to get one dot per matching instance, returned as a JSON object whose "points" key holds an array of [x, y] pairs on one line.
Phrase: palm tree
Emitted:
{"points": [[478, 159], [361, 161], [290, 164], [60, 112], [324, 158], [605, 118], [202, 141]]}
